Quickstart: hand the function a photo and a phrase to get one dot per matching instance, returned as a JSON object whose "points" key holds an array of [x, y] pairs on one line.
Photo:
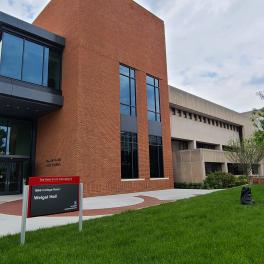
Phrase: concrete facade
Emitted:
{"points": [[200, 124]]}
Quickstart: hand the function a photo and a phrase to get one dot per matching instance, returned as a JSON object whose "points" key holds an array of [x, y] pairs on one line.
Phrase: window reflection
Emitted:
{"points": [[0, 47], [156, 157], [28, 61], [3, 134], [153, 94], [127, 91], [15, 137], [129, 155], [11, 57], [32, 63]]}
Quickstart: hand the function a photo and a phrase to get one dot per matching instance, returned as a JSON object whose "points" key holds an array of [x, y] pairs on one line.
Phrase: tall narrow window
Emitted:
{"points": [[153, 93], [1, 42], [52, 69], [156, 157], [129, 155], [127, 90], [3, 135]]}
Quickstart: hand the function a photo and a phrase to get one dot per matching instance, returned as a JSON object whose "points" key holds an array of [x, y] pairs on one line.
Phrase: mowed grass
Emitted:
{"points": [[213, 228]]}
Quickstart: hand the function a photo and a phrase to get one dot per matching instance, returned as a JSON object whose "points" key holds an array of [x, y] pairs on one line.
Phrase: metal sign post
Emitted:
{"points": [[80, 207], [24, 215]]}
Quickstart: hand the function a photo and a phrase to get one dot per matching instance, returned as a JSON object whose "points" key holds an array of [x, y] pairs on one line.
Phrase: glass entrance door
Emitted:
{"points": [[10, 177], [3, 177]]}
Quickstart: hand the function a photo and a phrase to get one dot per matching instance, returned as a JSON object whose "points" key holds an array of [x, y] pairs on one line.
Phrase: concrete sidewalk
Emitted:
{"points": [[94, 207]]}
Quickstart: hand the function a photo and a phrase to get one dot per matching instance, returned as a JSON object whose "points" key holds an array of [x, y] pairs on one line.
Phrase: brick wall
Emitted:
{"points": [[85, 133]]}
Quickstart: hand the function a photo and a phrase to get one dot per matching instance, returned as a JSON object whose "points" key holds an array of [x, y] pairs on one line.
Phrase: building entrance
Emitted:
{"points": [[11, 177], [15, 154]]}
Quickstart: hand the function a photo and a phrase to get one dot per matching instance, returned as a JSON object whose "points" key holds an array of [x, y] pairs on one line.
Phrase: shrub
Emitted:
{"points": [[222, 180], [184, 185], [219, 180], [215, 180], [241, 180]]}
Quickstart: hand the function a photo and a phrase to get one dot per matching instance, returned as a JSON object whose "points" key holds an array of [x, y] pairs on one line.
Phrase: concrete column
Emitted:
{"points": [[261, 169], [218, 147], [224, 167], [192, 145]]}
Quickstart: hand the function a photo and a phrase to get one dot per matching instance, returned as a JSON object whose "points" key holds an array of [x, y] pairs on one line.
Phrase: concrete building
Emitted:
{"points": [[200, 132], [84, 91]]}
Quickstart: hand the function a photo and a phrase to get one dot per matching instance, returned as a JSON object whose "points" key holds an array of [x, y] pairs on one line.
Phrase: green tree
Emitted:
{"points": [[246, 153], [258, 121]]}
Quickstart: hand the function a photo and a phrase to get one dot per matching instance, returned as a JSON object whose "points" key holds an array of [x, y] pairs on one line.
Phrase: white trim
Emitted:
{"points": [[159, 179], [129, 180]]}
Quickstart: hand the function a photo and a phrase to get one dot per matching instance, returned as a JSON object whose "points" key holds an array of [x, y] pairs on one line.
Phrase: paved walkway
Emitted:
{"points": [[94, 207]]}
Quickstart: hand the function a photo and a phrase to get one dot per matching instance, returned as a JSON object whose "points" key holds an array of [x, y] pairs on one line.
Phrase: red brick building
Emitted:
{"points": [[113, 127]]}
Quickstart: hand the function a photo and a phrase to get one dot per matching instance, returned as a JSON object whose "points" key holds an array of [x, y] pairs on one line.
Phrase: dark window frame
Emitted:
{"points": [[156, 86], [156, 143], [204, 145], [130, 77], [9, 124], [44, 45], [134, 146]]}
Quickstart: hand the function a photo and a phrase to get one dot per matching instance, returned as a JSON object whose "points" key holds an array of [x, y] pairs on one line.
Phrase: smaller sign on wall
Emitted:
{"points": [[53, 195], [53, 162]]}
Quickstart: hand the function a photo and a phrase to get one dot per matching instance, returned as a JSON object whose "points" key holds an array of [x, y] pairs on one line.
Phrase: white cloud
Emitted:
{"points": [[214, 48], [23, 9]]}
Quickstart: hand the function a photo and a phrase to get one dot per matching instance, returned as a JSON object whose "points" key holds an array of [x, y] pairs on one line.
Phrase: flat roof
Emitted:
{"points": [[31, 29]]}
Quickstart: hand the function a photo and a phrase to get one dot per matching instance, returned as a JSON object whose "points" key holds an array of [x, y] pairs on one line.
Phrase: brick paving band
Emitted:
{"points": [[15, 207]]}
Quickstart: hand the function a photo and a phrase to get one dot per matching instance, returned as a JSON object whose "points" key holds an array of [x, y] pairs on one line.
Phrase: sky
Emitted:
{"points": [[215, 49]]}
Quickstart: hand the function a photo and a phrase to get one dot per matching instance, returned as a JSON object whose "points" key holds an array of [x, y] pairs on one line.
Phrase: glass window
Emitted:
{"points": [[129, 155], [127, 91], [0, 46], [151, 116], [156, 157], [212, 167], [32, 63], [25, 60], [150, 80], [235, 169], [133, 92], [124, 70], [3, 136], [124, 109], [124, 90], [180, 144], [11, 58], [153, 95], [201, 145], [255, 169], [151, 98], [15, 137], [19, 135], [132, 73], [46, 67], [54, 68]]}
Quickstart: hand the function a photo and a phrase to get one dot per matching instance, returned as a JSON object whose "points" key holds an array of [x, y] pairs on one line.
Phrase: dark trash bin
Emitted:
{"points": [[246, 196]]}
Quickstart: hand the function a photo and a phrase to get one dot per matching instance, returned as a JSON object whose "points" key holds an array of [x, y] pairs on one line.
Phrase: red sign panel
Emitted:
{"points": [[47, 180], [53, 195]]}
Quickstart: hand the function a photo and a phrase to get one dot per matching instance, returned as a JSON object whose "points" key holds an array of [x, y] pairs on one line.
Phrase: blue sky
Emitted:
{"points": [[214, 48]]}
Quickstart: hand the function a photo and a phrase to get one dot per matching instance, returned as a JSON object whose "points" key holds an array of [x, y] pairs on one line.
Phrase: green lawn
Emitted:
{"points": [[213, 228]]}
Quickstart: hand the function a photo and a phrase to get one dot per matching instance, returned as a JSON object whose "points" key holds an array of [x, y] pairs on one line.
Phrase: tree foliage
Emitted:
{"points": [[246, 153], [258, 121]]}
